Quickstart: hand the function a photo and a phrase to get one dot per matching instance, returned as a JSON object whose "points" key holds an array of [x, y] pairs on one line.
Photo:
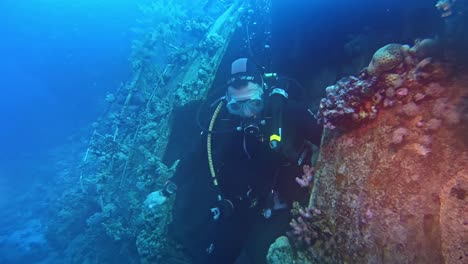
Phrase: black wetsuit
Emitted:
{"points": [[247, 180]]}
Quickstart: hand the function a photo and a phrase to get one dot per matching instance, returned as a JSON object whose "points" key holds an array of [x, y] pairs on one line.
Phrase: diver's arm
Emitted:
{"points": [[312, 131], [187, 168]]}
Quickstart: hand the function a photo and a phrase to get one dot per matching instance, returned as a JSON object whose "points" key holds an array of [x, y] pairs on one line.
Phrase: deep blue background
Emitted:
{"points": [[58, 59], [324, 27]]}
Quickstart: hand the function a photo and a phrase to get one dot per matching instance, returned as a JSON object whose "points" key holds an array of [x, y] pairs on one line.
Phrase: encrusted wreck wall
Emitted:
{"points": [[396, 188], [391, 181]]}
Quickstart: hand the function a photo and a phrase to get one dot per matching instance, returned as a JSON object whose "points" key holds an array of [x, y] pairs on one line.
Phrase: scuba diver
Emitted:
{"points": [[236, 189], [453, 13], [455, 23]]}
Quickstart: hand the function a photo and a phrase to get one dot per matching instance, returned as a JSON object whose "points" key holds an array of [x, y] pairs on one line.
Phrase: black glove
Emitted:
{"points": [[222, 210]]}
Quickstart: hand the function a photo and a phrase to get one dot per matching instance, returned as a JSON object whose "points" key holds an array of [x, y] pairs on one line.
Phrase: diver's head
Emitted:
{"points": [[245, 101], [244, 94]]}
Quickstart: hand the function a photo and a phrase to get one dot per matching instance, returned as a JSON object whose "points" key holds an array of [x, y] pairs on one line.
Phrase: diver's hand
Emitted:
{"points": [[155, 199], [159, 197]]}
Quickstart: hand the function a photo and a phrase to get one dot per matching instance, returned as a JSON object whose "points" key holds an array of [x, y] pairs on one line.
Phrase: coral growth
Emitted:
{"points": [[392, 80], [410, 109], [345, 103], [308, 177], [394, 191], [280, 252], [424, 48], [399, 135], [433, 124], [385, 59], [396, 76], [434, 89], [313, 233], [446, 111], [306, 229]]}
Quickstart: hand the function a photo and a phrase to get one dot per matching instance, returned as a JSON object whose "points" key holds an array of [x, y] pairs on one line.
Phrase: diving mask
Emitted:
{"points": [[246, 101]]}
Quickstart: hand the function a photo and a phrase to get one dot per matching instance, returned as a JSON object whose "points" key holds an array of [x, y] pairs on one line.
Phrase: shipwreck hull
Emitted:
{"points": [[396, 203]]}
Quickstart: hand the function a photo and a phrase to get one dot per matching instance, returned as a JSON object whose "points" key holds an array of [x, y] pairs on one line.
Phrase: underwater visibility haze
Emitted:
{"points": [[234, 131]]}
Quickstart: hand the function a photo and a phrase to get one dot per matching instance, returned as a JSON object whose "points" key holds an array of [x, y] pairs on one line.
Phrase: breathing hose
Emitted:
{"points": [[208, 147]]}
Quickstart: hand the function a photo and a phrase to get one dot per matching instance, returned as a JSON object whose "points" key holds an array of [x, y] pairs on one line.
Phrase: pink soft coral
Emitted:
{"points": [[307, 178], [446, 110], [399, 135], [308, 227]]}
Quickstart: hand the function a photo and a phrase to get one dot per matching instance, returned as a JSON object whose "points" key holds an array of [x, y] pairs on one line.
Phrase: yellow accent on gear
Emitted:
{"points": [[275, 137], [208, 142]]}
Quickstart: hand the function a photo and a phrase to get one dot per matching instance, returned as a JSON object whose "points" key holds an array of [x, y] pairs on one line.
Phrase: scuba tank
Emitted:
{"points": [[277, 101]]}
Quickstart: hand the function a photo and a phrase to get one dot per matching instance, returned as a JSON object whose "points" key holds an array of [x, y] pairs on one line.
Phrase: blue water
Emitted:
{"points": [[60, 58]]}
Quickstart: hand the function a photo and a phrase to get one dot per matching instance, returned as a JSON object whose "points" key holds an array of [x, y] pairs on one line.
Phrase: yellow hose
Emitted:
{"points": [[208, 144]]}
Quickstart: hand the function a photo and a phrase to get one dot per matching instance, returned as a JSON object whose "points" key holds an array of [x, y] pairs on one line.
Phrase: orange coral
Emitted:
{"points": [[391, 80]]}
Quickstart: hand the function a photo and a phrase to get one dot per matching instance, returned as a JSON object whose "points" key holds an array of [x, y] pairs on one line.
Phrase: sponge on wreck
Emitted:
{"points": [[385, 59]]}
